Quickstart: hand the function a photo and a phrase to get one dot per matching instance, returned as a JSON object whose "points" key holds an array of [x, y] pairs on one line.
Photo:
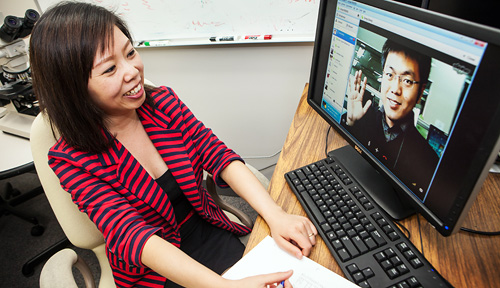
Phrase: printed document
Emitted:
{"points": [[267, 257]]}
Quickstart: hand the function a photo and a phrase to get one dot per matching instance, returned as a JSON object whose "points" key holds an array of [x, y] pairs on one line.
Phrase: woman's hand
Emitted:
{"points": [[295, 234], [271, 280]]}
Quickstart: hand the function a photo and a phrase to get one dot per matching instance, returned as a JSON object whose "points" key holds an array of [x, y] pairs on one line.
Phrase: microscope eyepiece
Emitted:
{"points": [[15, 27]]}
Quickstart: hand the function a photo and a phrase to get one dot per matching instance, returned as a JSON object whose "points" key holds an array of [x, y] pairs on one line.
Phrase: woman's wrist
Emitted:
{"points": [[273, 214]]}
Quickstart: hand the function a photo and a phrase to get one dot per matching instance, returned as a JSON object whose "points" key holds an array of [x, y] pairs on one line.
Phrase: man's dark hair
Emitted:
{"points": [[424, 62]]}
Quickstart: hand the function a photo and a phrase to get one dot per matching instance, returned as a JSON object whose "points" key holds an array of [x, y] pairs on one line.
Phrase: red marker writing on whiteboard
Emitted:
{"points": [[258, 37]]}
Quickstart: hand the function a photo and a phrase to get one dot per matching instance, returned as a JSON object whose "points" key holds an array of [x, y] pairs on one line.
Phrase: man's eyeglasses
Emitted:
{"points": [[405, 80]]}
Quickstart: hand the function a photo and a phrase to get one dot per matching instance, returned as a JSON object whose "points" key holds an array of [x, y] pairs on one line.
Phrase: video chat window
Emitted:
{"points": [[437, 108], [432, 116]]}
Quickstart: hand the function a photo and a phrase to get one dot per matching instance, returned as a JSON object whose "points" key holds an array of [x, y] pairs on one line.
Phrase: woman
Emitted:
{"points": [[132, 158]]}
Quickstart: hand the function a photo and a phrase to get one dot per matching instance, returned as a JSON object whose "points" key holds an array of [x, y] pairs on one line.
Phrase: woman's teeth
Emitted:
{"points": [[134, 91]]}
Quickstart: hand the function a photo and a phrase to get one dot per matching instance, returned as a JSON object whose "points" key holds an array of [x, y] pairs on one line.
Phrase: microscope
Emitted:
{"points": [[16, 91]]}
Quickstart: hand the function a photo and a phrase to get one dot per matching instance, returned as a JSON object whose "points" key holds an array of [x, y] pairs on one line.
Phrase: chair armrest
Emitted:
{"points": [[211, 188], [57, 271]]}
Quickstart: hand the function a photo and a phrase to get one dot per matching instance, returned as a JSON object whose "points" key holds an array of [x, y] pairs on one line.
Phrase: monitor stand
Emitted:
{"points": [[373, 183]]}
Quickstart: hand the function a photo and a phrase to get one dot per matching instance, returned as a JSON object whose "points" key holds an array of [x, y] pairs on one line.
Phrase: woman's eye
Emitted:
{"points": [[131, 53], [110, 69]]}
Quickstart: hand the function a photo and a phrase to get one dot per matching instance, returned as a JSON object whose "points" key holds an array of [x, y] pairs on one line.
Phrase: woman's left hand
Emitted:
{"points": [[295, 234]]}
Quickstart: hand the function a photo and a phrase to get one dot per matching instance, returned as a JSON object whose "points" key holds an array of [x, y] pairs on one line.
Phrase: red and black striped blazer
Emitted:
{"points": [[126, 204]]}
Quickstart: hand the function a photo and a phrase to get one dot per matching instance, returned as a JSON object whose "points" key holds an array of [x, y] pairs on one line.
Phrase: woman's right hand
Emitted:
{"points": [[355, 109], [271, 280]]}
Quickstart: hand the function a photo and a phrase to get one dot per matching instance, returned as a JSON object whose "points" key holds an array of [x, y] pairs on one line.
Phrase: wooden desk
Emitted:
{"points": [[465, 260]]}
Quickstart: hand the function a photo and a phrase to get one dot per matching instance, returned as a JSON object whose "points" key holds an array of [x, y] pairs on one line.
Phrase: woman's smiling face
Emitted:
{"points": [[116, 84]]}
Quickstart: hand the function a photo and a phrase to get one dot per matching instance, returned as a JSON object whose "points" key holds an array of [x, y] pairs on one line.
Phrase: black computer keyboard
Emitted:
{"points": [[371, 250]]}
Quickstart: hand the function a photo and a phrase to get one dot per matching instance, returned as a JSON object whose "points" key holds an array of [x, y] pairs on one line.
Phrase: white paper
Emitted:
{"points": [[267, 257]]}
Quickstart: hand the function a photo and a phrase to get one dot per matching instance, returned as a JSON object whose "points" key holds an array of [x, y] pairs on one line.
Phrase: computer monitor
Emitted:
{"points": [[427, 97], [417, 3], [480, 12]]}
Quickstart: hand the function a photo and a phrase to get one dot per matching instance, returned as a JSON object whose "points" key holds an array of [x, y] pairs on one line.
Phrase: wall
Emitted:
{"points": [[246, 93]]}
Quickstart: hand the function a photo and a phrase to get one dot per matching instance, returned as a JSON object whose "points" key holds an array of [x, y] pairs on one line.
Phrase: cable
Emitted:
{"points": [[326, 140], [485, 233], [262, 169], [420, 233], [408, 234], [261, 157]]}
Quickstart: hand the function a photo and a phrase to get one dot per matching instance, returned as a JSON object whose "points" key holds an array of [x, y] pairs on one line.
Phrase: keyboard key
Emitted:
{"points": [[330, 160], [341, 233], [369, 227], [359, 228], [347, 181], [390, 252], [378, 238], [300, 175], [364, 234], [376, 216], [344, 256], [353, 268], [416, 263], [380, 256], [402, 246], [300, 188], [396, 261], [358, 277], [326, 227], [349, 246], [402, 285], [408, 254], [364, 284], [337, 245], [331, 236], [368, 206], [386, 265], [336, 227], [392, 273], [393, 236], [370, 243], [317, 214], [402, 269], [360, 244], [368, 272], [413, 282]]}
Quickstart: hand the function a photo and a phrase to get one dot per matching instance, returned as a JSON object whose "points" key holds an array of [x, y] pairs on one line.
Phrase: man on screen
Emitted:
{"points": [[388, 131]]}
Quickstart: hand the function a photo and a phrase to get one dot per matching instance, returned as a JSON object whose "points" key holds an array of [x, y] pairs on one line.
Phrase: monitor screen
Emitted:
{"points": [[468, 10], [415, 93]]}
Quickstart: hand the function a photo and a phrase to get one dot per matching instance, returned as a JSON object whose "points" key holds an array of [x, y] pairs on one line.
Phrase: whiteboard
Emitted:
{"points": [[196, 21]]}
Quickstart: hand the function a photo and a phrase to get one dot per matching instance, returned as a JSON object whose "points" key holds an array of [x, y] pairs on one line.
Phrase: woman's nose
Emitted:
{"points": [[131, 72]]}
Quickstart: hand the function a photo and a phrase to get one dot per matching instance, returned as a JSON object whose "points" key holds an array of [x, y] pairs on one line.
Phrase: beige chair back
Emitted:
{"points": [[80, 231]]}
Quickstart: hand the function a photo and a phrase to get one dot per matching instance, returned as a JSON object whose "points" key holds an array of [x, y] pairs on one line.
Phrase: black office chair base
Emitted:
{"points": [[37, 230], [29, 266], [7, 207]]}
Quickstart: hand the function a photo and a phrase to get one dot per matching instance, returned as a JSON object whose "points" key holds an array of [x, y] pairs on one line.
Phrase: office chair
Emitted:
{"points": [[8, 206], [77, 227]]}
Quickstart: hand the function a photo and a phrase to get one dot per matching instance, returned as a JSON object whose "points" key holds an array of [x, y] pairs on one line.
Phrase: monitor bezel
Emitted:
{"points": [[489, 145]]}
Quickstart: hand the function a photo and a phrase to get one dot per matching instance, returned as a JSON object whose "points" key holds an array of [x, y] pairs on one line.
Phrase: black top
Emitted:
{"points": [[181, 205], [213, 247], [401, 148]]}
